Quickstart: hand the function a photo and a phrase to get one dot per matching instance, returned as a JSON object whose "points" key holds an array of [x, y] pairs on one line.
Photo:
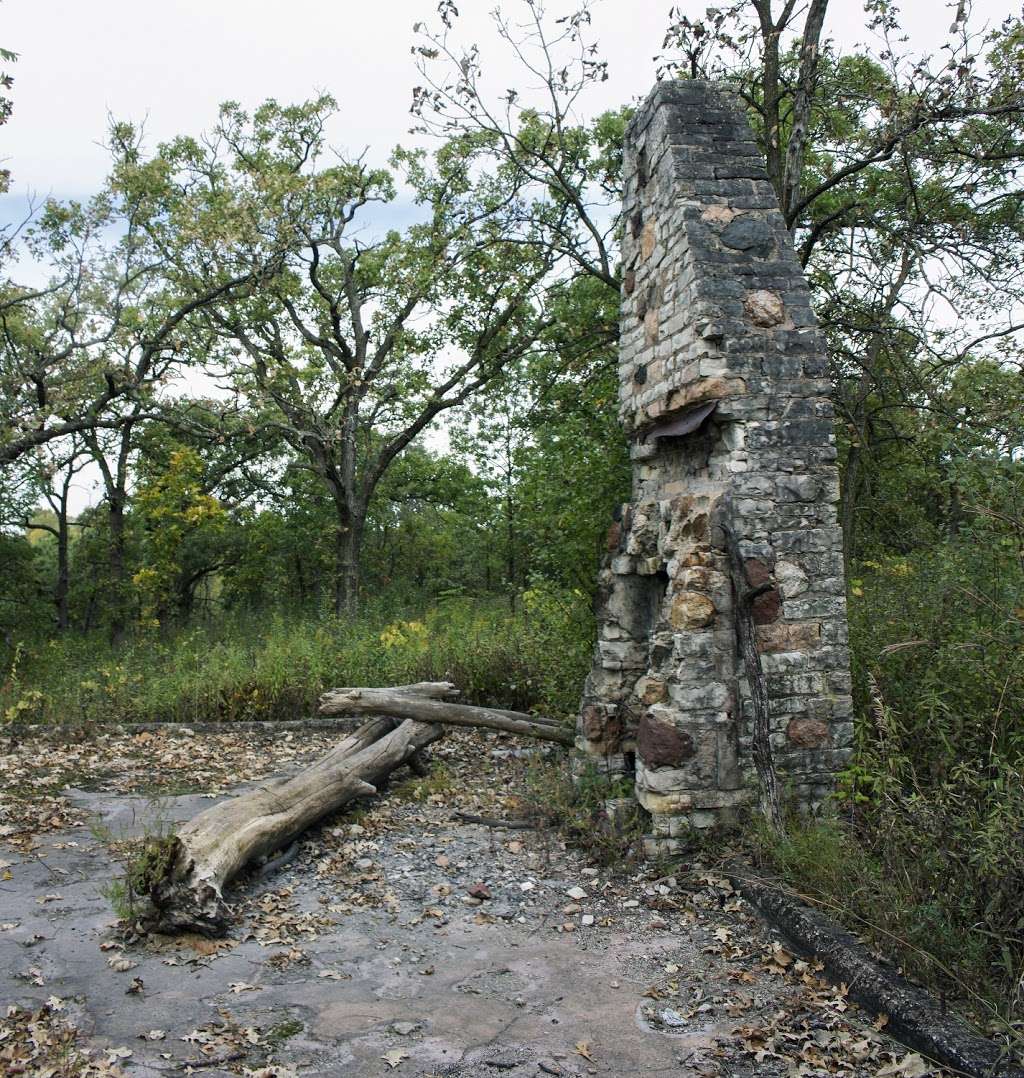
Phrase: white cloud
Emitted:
{"points": [[171, 63]]}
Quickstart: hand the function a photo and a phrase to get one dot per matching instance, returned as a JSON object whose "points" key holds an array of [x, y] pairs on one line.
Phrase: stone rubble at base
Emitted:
{"points": [[716, 311]]}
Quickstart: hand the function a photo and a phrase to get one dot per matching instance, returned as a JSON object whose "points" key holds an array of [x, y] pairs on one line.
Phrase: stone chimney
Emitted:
{"points": [[724, 396]]}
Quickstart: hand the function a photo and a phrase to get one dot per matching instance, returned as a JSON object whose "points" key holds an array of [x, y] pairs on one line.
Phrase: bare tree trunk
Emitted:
{"points": [[801, 111], [58, 502], [185, 876], [348, 541], [411, 706], [771, 94], [848, 506], [118, 569], [63, 588], [761, 748]]}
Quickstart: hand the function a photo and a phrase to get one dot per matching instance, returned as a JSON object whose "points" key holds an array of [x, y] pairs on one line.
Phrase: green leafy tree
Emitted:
{"points": [[896, 173], [180, 522], [108, 328], [355, 346]]}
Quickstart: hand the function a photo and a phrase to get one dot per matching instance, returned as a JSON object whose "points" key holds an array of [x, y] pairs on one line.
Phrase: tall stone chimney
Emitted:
{"points": [[724, 396]]}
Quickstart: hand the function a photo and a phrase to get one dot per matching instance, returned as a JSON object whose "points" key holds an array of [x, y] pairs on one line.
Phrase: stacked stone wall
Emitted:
{"points": [[724, 396]]}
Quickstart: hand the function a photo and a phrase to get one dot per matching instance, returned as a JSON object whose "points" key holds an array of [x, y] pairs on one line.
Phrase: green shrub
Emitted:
{"points": [[928, 856], [275, 667]]}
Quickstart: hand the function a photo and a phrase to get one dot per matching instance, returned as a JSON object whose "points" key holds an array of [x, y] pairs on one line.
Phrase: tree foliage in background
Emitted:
{"points": [[6, 108], [897, 174], [352, 347]]}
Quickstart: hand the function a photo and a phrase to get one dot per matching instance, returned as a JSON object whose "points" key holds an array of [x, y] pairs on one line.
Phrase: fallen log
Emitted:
{"points": [[390, 702], [435, 690], [185, 874]]}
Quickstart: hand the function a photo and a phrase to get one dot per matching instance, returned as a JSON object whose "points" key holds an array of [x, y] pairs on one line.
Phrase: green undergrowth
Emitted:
{"points": [[921, 882], [596, 812], [923, 852], [275, 666]]}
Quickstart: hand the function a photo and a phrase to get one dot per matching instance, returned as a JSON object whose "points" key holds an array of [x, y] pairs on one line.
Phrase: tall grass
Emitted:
{"points": [[275, 666]]}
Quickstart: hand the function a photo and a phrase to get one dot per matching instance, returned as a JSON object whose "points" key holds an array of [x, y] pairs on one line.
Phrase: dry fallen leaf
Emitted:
{"points": [[910, 1066], [583, 1049], [780, 956], [394, 1057]]}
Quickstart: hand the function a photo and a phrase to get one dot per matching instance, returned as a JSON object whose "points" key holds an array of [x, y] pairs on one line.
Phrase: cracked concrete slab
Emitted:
{"points": [[368, 954]]}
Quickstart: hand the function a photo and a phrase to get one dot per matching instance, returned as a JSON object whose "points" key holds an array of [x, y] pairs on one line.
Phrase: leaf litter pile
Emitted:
{"points": [[34, 771], [700, 968]]}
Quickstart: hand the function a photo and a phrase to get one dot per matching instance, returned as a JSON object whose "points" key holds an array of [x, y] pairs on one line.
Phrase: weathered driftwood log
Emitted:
{"points": [[435, 690], [185, 875], [390, 702]]}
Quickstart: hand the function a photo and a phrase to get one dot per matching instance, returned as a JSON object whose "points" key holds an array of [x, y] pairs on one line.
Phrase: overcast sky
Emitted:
{"points": [[171, 63]]}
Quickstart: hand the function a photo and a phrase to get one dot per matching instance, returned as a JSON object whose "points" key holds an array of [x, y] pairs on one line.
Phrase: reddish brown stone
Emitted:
{"points": [[757, 572], [807, 733], [614, 536], [613, 734], [602, 730], [592, 722], [767, 608], [629, 282], [662, 745]]}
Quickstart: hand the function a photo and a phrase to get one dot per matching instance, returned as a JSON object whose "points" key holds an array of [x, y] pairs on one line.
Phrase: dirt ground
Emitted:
{"points": [[399, 939]]}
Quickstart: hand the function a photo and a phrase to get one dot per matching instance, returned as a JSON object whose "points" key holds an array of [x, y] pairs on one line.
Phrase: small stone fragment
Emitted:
{"points": [[405, 1029]]}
